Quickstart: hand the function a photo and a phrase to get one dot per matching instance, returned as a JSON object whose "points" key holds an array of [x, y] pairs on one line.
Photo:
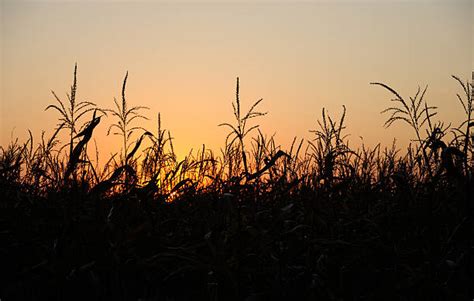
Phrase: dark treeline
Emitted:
{"points": [[317, 221]]}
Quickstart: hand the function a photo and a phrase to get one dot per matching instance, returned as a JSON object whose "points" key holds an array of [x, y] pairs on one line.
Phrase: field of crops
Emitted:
{"points": [[317, 221]]}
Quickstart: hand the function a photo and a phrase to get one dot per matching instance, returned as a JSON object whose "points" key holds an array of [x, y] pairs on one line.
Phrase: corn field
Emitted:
{"points": [[317, 221]]}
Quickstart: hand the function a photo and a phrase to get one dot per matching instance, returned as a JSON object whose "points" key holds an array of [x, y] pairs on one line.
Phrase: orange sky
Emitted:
{"points": [[183, 59]]}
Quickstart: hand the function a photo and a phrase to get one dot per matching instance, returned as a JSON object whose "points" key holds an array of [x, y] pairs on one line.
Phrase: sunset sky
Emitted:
{"points": [[183, 59]]}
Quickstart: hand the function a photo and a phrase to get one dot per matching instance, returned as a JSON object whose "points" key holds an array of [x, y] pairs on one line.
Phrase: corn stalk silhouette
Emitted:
{"points": [[70, 114], [415, 112], [468, 106], [125, 115], [328, 146], [239, 131]]}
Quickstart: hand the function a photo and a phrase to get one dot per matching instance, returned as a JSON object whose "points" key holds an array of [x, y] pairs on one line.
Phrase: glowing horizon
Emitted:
{"points": [[183, 60]]}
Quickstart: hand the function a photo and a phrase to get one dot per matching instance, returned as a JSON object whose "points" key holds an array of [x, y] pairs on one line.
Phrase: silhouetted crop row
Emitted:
{"points": [[317, 220]]}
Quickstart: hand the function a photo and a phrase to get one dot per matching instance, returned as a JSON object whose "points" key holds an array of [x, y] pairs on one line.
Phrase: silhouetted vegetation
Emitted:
{"points": [[318, 221]]}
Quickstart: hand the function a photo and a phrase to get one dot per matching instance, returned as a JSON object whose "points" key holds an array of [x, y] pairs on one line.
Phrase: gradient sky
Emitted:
{"points": [[183, 59]]}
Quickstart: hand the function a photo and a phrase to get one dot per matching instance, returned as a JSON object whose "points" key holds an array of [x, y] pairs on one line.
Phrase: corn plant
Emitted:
{"points": [[329, 146], [71, 111], [123, 126], [240, 130], [467, 102], [415, 112]]}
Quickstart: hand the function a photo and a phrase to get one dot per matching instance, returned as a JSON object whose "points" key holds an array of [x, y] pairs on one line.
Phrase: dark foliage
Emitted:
{"points": [[320, 221]]}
